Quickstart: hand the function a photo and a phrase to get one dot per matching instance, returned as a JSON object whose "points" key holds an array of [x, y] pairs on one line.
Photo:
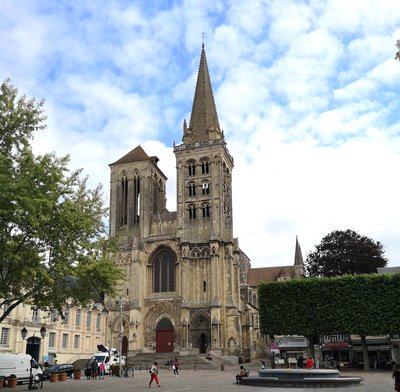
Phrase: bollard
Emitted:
{"points": [[222, 367]]}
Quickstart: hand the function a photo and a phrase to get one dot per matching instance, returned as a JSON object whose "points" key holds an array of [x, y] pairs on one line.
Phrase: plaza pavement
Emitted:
{"points": [[207, 381]]}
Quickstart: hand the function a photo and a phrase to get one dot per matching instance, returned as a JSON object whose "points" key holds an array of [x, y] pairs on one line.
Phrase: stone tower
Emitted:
{"points": [[184, 269]]}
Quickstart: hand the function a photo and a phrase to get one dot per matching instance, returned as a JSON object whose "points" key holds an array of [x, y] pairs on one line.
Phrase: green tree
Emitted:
{"points": [[355, 305], [54, 249], [345, 252]]}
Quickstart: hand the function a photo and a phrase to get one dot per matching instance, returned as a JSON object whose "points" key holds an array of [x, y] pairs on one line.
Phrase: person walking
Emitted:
{"points": [[154, 374], [175, 366]]}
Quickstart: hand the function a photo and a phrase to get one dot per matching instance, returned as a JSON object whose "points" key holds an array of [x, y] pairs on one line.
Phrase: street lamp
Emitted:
{"points": [[43, 331], [24, 333]]}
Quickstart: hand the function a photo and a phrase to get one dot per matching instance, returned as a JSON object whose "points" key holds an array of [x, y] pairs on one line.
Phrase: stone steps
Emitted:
{"points": [[191, 361]]}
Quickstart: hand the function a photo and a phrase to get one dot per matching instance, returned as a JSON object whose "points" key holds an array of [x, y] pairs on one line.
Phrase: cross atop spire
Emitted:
{"points": [[204, 123]]}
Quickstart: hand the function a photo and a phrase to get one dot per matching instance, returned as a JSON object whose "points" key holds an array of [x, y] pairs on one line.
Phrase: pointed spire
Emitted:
{"points": [[204, 123], [298, 257]]}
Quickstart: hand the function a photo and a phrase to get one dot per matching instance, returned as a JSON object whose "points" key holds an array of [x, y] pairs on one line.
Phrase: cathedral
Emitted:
{"points": [[186, 288]]}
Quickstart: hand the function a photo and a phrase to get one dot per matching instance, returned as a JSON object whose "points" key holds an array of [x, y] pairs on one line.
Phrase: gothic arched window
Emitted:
{"points": [[205, 167], [124, 201], [206, 210], [163, 271], [192, 168], [192, 212], [192, 189], [205, 187]]}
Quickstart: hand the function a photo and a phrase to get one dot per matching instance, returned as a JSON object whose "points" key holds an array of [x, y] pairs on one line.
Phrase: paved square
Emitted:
{"points": [[207, 381]]}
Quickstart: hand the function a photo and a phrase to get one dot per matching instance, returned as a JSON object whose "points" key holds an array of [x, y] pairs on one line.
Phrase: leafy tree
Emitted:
{"points": [[54, 249], [345, 252], [354, 305]]}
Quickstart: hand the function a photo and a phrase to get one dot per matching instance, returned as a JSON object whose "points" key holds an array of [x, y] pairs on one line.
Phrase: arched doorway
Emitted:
{"points": [[124, 346], [164, 336], [33, 347], [203, 343], [201, 332]]}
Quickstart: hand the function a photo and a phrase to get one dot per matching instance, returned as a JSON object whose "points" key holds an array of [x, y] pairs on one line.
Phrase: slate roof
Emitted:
{"points": [[269, 274], [135, 155]]}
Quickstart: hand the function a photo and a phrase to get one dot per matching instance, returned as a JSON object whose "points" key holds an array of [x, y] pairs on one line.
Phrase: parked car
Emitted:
{"points": [[61, 368]]}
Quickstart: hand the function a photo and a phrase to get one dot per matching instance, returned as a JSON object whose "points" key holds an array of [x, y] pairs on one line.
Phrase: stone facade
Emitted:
{"points": [[68, 340], [186, 277]]}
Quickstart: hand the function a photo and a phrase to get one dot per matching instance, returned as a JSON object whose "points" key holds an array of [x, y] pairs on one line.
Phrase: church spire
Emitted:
{"points": [[298, 256], [204, 124]]}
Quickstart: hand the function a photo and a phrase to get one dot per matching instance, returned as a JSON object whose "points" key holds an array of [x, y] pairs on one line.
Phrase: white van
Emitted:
{"points": [[21, 365], [108, 356]]}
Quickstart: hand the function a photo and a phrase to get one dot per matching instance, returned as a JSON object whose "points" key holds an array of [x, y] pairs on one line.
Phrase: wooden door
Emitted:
{"points": [[165, 341]]}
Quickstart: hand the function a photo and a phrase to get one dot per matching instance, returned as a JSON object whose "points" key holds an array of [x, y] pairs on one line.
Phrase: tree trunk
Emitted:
{"points": [[312, 340], [365, 352]]}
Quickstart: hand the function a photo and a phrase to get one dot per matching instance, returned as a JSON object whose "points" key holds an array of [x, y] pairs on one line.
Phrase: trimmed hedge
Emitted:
{"points": [[360, 304]]}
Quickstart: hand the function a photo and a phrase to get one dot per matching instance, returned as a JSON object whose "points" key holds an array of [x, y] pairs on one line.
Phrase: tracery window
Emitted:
{"points": [[206, 210], [163, 271], [192, 212], [192, 189], [124, 201], [192, 168], [206, 188], [205, 167]]}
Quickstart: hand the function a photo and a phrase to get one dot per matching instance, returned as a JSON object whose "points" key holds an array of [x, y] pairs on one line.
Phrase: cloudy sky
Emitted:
{"points": [[307, 93]]}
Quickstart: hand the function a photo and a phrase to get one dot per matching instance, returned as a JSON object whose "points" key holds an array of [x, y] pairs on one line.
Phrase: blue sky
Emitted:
{"points": [[307, 93]]}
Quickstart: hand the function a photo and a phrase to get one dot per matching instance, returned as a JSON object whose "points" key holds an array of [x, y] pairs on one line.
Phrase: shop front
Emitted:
{"points": [[290, 348], [336, 355], [379, 352]]}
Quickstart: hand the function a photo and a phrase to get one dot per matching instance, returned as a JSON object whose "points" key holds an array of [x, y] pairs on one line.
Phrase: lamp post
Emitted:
{"points": [[120, 335], [43, 331]]}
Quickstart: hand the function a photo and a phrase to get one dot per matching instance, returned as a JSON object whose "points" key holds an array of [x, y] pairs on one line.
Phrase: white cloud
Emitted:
{"points": [[307, 94]]}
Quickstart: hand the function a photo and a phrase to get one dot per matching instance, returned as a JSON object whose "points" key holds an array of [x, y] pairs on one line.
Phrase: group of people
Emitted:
{"points": [[309, 362], [94, 370]]}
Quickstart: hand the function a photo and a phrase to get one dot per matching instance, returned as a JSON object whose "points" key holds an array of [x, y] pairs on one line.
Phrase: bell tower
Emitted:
{"points": [[137, 191], [204, 170]]}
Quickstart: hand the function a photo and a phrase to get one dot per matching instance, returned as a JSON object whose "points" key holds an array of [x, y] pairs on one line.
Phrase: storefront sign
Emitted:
{"points": [[291, 341], [335, 345]]}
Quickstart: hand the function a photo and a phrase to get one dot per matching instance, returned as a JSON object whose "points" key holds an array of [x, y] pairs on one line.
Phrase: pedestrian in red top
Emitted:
{"points": [[309, 363], [154, 374]]}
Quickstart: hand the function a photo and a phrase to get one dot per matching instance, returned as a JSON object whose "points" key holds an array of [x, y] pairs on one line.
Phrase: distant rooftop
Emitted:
{"points": [[388, 270], [269, 274]]}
